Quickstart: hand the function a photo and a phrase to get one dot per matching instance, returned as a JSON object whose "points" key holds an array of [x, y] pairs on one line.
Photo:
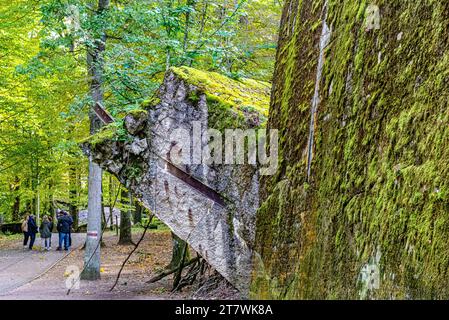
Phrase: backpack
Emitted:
{"points": [[25, 226]]}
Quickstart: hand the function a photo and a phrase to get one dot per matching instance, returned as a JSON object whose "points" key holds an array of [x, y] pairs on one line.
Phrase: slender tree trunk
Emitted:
{"points": [[15, 187], [73, 205], [79, 186], [103, 215], [177, 251], [190, 3], [168, 49], [47, 203], [203, 16], [111, 203], [31, 205], [16, 208], [125, 220], [51, 208], [38, 195], [95, 66], [137, 213]]}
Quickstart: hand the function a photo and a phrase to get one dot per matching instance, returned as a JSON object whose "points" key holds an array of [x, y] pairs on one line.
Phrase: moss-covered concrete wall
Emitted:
{"points": [[372, 219]]}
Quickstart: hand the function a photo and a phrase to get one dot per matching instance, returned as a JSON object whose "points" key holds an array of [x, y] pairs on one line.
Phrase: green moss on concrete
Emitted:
{"points": [[151, 102], [226, 92], [114, 131], [380, 169], [108, 132], [137, 113]]}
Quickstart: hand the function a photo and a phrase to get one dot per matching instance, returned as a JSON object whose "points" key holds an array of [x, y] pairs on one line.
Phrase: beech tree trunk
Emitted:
{"points": [[95, 66], [125, 220]]}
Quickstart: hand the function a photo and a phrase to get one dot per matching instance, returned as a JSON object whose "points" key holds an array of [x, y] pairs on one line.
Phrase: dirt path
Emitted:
{"points": [[19, 266], [26, 275]]}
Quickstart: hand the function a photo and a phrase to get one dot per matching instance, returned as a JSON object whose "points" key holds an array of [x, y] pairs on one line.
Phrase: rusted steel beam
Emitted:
{"points": [[194, 183], [102, 114]]}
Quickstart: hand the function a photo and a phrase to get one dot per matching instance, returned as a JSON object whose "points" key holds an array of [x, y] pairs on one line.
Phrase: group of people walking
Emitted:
{"points": [[63, 226]]}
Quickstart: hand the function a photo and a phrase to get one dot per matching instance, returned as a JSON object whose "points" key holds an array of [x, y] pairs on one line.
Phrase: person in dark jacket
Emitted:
{"points": [[58, 216], [45, 232], [64, 226], [50, 219], [32, 230]]}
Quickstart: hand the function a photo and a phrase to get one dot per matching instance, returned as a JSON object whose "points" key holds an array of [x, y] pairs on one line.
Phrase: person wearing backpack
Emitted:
{"points": [[26, 235], [45, 232]]}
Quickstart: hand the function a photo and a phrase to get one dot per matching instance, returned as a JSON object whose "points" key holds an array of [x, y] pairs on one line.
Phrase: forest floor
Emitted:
{"points": [[153, 254]]}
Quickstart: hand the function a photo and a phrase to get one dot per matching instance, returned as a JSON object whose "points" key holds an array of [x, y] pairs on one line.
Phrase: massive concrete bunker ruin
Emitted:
{"points": [[212, 207]]}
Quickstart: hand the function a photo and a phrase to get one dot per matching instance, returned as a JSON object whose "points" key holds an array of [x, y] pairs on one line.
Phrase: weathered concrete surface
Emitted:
{"points": [[222, 233]]}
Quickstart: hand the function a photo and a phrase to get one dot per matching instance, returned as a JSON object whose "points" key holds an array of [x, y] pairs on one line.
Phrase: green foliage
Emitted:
{"points": [[36, 143]]}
